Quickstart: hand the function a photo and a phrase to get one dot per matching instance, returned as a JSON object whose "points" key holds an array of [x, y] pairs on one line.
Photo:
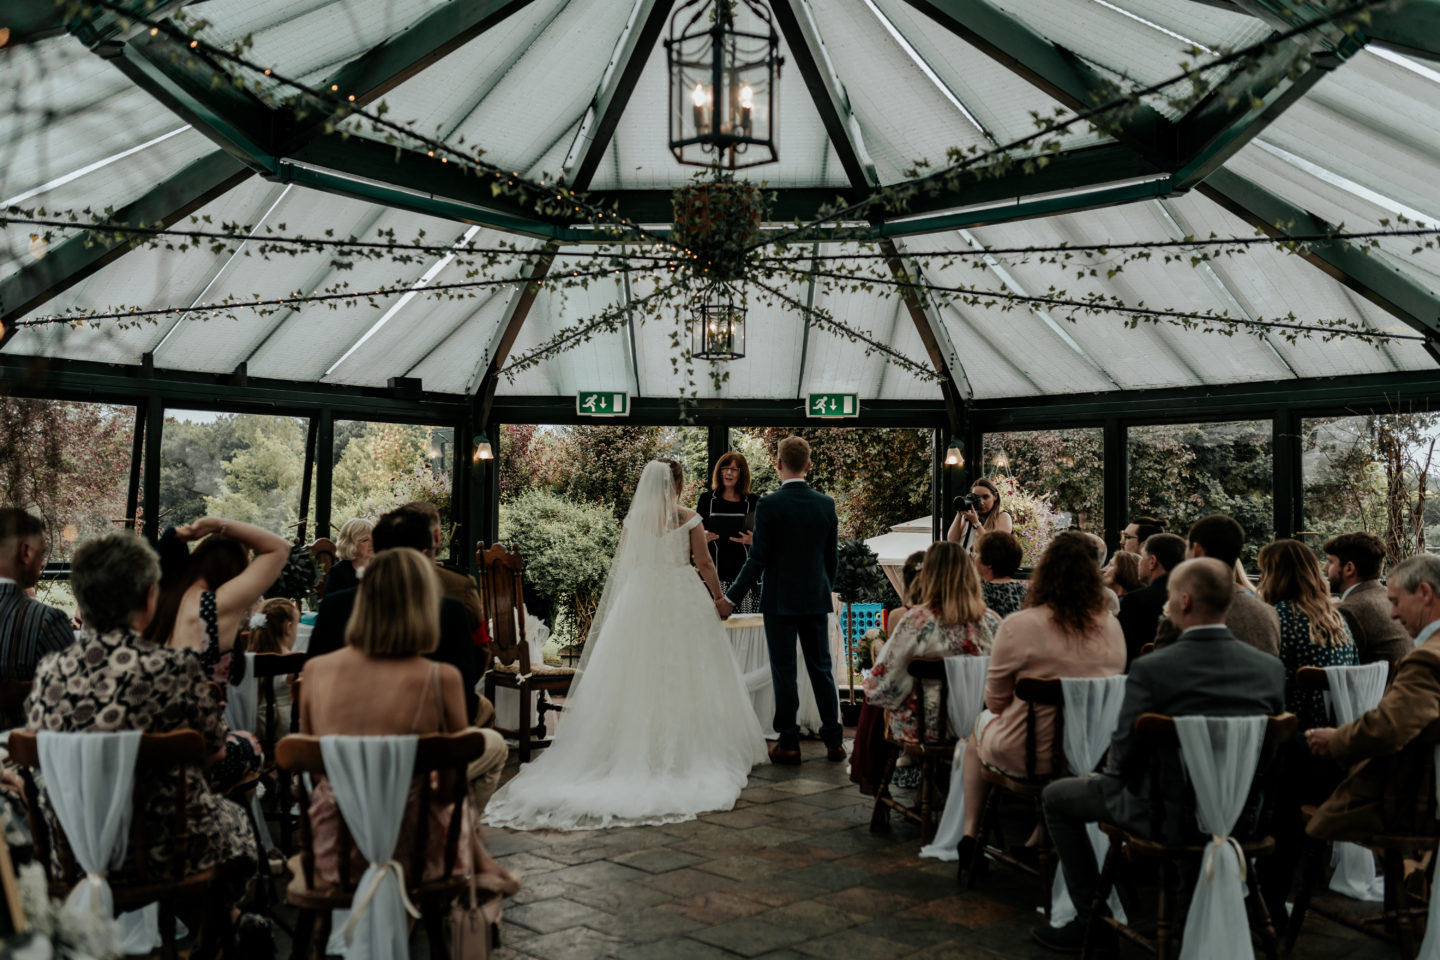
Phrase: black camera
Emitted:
{"points": [[966, 501]]}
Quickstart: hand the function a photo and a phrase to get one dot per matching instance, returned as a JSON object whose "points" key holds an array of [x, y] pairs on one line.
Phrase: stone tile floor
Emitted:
{"points": [[792, 872]]}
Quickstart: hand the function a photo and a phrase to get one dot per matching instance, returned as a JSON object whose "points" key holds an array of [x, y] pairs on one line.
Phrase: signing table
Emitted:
{"points": [[747, 639]]}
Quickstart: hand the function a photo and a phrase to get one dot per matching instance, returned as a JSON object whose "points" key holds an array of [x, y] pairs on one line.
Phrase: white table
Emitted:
{"points": [[747, 639]]}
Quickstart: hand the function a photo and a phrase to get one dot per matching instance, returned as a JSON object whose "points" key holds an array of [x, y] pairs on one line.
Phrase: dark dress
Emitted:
{"points": [[342, 576], [1004, 598], [1298, 649], [728, 555]]}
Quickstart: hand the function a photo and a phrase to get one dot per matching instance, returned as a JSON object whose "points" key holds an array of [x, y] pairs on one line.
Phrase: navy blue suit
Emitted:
{"points": [[797, 550]]}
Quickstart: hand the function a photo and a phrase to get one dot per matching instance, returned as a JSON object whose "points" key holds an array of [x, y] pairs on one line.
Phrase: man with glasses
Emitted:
{"points": [[1133, 537]]}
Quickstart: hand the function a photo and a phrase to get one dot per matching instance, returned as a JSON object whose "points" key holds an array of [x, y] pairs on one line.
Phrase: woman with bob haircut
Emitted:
{"points": [[727, 510], [381, 684], [997, 557], [947, 618], [1063, 630], [355, 549]]}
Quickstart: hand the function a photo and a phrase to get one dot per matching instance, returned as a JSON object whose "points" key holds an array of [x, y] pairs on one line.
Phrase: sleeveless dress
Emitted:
{"points": [[659, 728]]}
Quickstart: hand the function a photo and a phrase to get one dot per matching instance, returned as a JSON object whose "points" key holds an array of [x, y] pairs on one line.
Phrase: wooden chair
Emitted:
{"points": [[1146, 648], [13, 694], [1036, 692], [1155, 734], [314, 897], [934, 753], [1398, 914], [268, 666], [503, 602], [325, 552], [139, 883]]}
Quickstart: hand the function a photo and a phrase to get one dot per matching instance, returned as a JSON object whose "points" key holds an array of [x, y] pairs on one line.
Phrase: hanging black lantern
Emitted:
{"points": [[723, 83], [717, 331]]}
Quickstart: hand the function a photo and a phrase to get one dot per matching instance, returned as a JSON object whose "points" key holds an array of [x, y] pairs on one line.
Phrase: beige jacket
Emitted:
{"points": [[1377, 637], [1390, 752], [1252, 621]]}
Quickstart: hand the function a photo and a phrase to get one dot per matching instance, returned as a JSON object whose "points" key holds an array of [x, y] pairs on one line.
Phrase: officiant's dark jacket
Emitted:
{"points": [[1206, 672], [455, 648], [796, 549]]}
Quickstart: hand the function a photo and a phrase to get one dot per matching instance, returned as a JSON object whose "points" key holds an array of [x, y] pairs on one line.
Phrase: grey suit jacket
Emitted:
{"points": [[1206, 672], [1252, 621], [1377, 637]]}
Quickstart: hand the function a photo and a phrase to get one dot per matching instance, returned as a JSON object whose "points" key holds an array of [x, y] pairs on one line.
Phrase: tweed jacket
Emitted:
{"points": [[1377, 637], [1390, 752], [1253, 622], [28, 631]]}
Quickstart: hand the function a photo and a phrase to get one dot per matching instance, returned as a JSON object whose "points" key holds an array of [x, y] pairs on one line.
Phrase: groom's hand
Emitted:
{"points": [[724, 607]]}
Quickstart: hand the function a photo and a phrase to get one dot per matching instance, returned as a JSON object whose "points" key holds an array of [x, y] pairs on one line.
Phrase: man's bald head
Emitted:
{"points": [[1201, 591]]}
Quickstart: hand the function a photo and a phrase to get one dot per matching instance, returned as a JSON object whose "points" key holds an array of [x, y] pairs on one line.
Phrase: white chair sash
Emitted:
{"points": [[90, 780], [966, 678], [1220, 755], [1353, 691], [1092, 710], [371, 780], [242, 712], [1430, 946]]}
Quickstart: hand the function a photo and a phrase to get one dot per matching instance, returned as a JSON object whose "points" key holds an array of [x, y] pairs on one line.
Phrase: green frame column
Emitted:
{"points": [[137, 454], [324, 469], [154, 428], [717, 444], [312, 434], [1287, 464], [1116, 484]]}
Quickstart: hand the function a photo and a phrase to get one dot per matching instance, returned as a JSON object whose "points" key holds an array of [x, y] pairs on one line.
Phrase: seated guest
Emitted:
{"points": [[1141, 612], [355, 548], [1097, 543], [272, 630], [948, 619], [28, 628], [115, 679], [453, 584], [1062, 631], [1207, 672], [997, 557], [867, 756], [1390, 751], [405, 528], [204, 605], [1252, 621], [1353, 564], [382, 684], [1140, 529], [1122, 574], [1312, 632]]}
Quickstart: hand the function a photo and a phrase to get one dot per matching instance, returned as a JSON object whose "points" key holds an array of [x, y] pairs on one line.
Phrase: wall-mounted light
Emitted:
{"points": [[483, 449], [953, 456]]}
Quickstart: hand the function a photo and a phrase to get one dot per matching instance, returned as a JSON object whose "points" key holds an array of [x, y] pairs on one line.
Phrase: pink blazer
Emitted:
{"points": [[1029, 644]]}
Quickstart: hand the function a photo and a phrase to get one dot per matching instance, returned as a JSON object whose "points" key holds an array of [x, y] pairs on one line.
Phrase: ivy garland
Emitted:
{"points": [[717, 235]]}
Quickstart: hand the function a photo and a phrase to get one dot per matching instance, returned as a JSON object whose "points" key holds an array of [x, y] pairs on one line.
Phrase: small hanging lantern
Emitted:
{"points": [[953, 456], [718, 330], [723, 83], [483, 449]]}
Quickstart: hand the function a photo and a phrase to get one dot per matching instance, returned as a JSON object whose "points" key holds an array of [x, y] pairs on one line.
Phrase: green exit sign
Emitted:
{"points": [[602, 403], [833, 405]]}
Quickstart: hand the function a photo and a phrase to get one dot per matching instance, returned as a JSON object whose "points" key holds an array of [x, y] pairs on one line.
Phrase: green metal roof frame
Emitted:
{"points": [[303, 147]]}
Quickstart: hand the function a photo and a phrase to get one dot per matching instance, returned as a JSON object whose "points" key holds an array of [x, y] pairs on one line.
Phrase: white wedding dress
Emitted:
{"points": [[658, 725]]}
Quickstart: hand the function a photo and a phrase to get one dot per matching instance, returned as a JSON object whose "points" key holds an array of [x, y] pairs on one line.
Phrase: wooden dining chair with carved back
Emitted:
{"points": [[509, 665]]}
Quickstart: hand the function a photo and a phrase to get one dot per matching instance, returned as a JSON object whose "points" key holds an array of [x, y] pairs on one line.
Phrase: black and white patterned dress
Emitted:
{"points": [[1298, 649], [121, 681]]}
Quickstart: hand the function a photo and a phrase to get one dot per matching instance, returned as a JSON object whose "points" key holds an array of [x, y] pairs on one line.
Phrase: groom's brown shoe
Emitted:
{"points": [[835, 754], [779, 754]]}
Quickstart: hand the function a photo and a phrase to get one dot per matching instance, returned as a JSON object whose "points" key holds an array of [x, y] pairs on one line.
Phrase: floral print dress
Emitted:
{"points": [[920, 634], [1298, 649], [121, 681]]}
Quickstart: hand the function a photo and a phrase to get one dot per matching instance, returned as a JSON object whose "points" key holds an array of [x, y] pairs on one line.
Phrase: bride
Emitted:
{"points": [[658, 726]]}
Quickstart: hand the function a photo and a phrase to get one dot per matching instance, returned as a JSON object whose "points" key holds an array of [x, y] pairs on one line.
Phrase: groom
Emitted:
{"points": [[795, 549]]}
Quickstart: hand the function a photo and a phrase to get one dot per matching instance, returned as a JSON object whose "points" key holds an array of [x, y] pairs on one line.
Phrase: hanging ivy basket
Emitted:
{"points": [[717, 222]]}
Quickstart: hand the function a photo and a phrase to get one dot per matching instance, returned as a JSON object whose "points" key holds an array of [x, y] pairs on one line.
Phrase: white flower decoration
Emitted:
{"points": [[257, 621]]}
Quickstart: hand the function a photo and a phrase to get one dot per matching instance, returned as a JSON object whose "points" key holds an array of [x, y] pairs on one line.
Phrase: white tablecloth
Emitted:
{"points": [[302, 638], [747, 638]]}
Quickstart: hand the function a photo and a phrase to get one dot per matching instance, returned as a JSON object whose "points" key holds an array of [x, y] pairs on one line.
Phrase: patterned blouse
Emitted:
{"points": [[1298, 650], [921, 634], [1004, 598], [121, 681]]}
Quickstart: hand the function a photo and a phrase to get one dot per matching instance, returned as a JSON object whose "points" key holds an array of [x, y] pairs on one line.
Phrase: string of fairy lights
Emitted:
{"points": [[625, 247]]}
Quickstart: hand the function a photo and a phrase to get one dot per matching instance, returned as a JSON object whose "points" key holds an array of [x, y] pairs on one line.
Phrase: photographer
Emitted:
{"points": [[978, 512]]}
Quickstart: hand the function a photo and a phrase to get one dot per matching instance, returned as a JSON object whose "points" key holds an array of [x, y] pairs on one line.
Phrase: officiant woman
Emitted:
{"points": [[728, 509]]}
